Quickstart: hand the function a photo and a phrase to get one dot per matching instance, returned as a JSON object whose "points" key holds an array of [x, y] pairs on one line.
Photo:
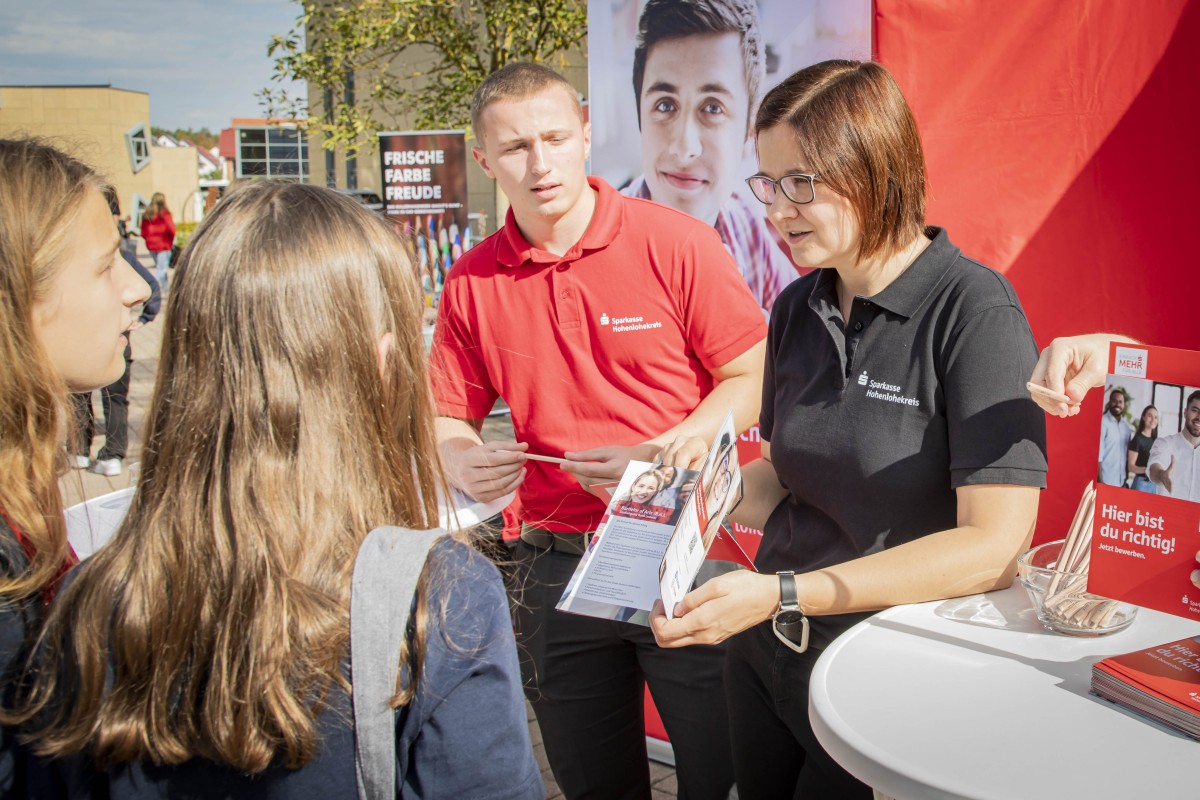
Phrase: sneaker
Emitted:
{"points": [[110, 467], [78, 462]]}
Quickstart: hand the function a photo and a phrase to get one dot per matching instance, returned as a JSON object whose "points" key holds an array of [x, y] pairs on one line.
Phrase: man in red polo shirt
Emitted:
{"points": [[610, 326]]}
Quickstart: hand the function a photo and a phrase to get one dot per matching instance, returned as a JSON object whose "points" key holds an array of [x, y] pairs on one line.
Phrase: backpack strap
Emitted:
{"points": [[386, 571]]}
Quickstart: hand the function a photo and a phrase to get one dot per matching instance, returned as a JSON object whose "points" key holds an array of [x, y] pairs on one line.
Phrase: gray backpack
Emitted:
{"points": [[386, 571]]}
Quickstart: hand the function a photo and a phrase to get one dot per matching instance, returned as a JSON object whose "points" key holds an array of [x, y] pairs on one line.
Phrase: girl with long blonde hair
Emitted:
{"points": [[204, 649], [66, 299]]}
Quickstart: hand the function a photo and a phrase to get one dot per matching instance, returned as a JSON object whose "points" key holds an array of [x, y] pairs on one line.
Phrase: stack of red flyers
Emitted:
{"points": [[1160, 682]]}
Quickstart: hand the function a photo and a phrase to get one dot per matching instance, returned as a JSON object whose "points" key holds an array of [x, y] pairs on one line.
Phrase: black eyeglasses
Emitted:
{"points": [[797, 187]]}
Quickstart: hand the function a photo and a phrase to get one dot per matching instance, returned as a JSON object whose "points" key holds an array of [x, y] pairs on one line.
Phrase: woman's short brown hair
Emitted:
{"points": [[860, 137]]}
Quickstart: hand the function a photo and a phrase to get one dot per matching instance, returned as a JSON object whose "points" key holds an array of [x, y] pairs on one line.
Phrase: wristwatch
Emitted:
{"points": [[789, 623]]}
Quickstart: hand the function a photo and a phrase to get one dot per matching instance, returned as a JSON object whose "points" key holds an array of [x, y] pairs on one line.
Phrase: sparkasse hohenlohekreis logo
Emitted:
{"points": [[888, 392], [630, 323]]}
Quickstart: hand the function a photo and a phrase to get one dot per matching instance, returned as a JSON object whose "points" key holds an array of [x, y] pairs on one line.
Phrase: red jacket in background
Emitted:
{"points": [[159, 232]]}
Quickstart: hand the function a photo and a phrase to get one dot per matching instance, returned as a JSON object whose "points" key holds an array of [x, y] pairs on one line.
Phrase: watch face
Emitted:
{"points": [[791, 628]]}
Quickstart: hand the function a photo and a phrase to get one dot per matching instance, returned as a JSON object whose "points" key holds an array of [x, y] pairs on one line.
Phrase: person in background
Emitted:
{"points": [[1174, 463], [645, 488], [681, 500], [115, 396], [670, 491], [66, 304], [128, 245], [1139, 450], [717, 486], [697, 77], [158, 231], [902, 458], [609, 323], [1115, 434], [643, 501], [224, 596]]}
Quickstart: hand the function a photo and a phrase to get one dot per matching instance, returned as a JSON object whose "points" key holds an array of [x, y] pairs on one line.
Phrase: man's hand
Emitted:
{"points": [[1162, 475], [723, 606], [606, 463], [1072, 365], [484, 471]]}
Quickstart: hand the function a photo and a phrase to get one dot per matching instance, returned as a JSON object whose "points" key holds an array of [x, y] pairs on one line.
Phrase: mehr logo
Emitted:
{"points": [[862, 379], [604, 319], [1130, 362]]}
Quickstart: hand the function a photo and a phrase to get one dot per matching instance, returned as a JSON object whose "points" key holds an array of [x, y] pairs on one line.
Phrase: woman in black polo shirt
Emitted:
{"points": [[902, 455]]}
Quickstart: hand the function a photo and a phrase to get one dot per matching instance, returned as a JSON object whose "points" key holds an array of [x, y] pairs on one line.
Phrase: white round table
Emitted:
{"points": [[972, 697]]}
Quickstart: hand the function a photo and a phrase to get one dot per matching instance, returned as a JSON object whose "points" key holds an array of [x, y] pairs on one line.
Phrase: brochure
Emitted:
{"points": [[653, 537], [1160, 682], [1146, 522]]}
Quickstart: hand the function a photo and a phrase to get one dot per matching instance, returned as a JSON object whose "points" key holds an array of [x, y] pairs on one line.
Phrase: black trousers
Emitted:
{"points": [[585, 678], [776, 755], [115, 400]]}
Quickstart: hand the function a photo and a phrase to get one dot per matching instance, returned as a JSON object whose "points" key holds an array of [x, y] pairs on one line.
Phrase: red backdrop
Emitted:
{"points": [[1062, 149]]}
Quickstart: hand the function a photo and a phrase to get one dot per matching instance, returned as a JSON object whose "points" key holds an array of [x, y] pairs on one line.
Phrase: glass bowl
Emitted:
{"points": [[1060, 599]]}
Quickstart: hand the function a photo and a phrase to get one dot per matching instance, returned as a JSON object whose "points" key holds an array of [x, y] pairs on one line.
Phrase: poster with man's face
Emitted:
{"points": [[674, 85]]}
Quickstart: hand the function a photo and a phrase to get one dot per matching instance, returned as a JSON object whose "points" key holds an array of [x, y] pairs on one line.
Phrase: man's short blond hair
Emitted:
{"points": [[516, 81]]}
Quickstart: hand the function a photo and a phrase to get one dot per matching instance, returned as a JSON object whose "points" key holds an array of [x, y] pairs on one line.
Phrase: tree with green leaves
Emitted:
{"points": [[202, 137], [418, 60]]}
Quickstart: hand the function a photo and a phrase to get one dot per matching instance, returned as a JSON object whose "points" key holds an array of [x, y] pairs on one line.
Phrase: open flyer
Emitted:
{"points": [[1146, 524], [656, 530]]}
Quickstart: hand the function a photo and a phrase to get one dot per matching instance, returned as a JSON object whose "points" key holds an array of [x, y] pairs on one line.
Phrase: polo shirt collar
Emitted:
{"points": [[905, 295], [514, 250]]}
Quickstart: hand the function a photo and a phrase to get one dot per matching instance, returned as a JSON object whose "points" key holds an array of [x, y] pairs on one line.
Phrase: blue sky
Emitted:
{"points": [[201, 61]]}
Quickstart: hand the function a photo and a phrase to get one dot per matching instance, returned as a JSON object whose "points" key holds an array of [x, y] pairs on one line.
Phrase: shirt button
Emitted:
{"points": [[561, 267], [858, 326], [566, 294]]}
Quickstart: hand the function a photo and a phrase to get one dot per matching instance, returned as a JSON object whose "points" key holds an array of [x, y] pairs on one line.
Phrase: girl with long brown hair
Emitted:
{"points": [[66, 299], [204, 649]]}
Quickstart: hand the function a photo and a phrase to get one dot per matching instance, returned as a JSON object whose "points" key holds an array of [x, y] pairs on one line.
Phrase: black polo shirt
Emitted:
{"points": [[874, 424]]}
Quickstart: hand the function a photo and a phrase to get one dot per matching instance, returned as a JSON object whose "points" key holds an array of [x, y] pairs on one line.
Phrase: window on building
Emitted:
{"points": [[137, 140], [139, 207], [272, 152]]}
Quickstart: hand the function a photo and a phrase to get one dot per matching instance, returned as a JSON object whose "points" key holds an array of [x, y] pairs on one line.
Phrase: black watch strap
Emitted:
{"points": [[789, 623], [787, 591]]}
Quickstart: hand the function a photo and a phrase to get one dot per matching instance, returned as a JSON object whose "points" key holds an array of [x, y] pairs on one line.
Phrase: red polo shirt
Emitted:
{"points": [[610, 344]]}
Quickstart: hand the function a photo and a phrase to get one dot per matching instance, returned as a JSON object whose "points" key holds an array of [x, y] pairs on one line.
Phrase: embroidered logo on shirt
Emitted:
{"points": [[890, 392], [623, 324]]}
